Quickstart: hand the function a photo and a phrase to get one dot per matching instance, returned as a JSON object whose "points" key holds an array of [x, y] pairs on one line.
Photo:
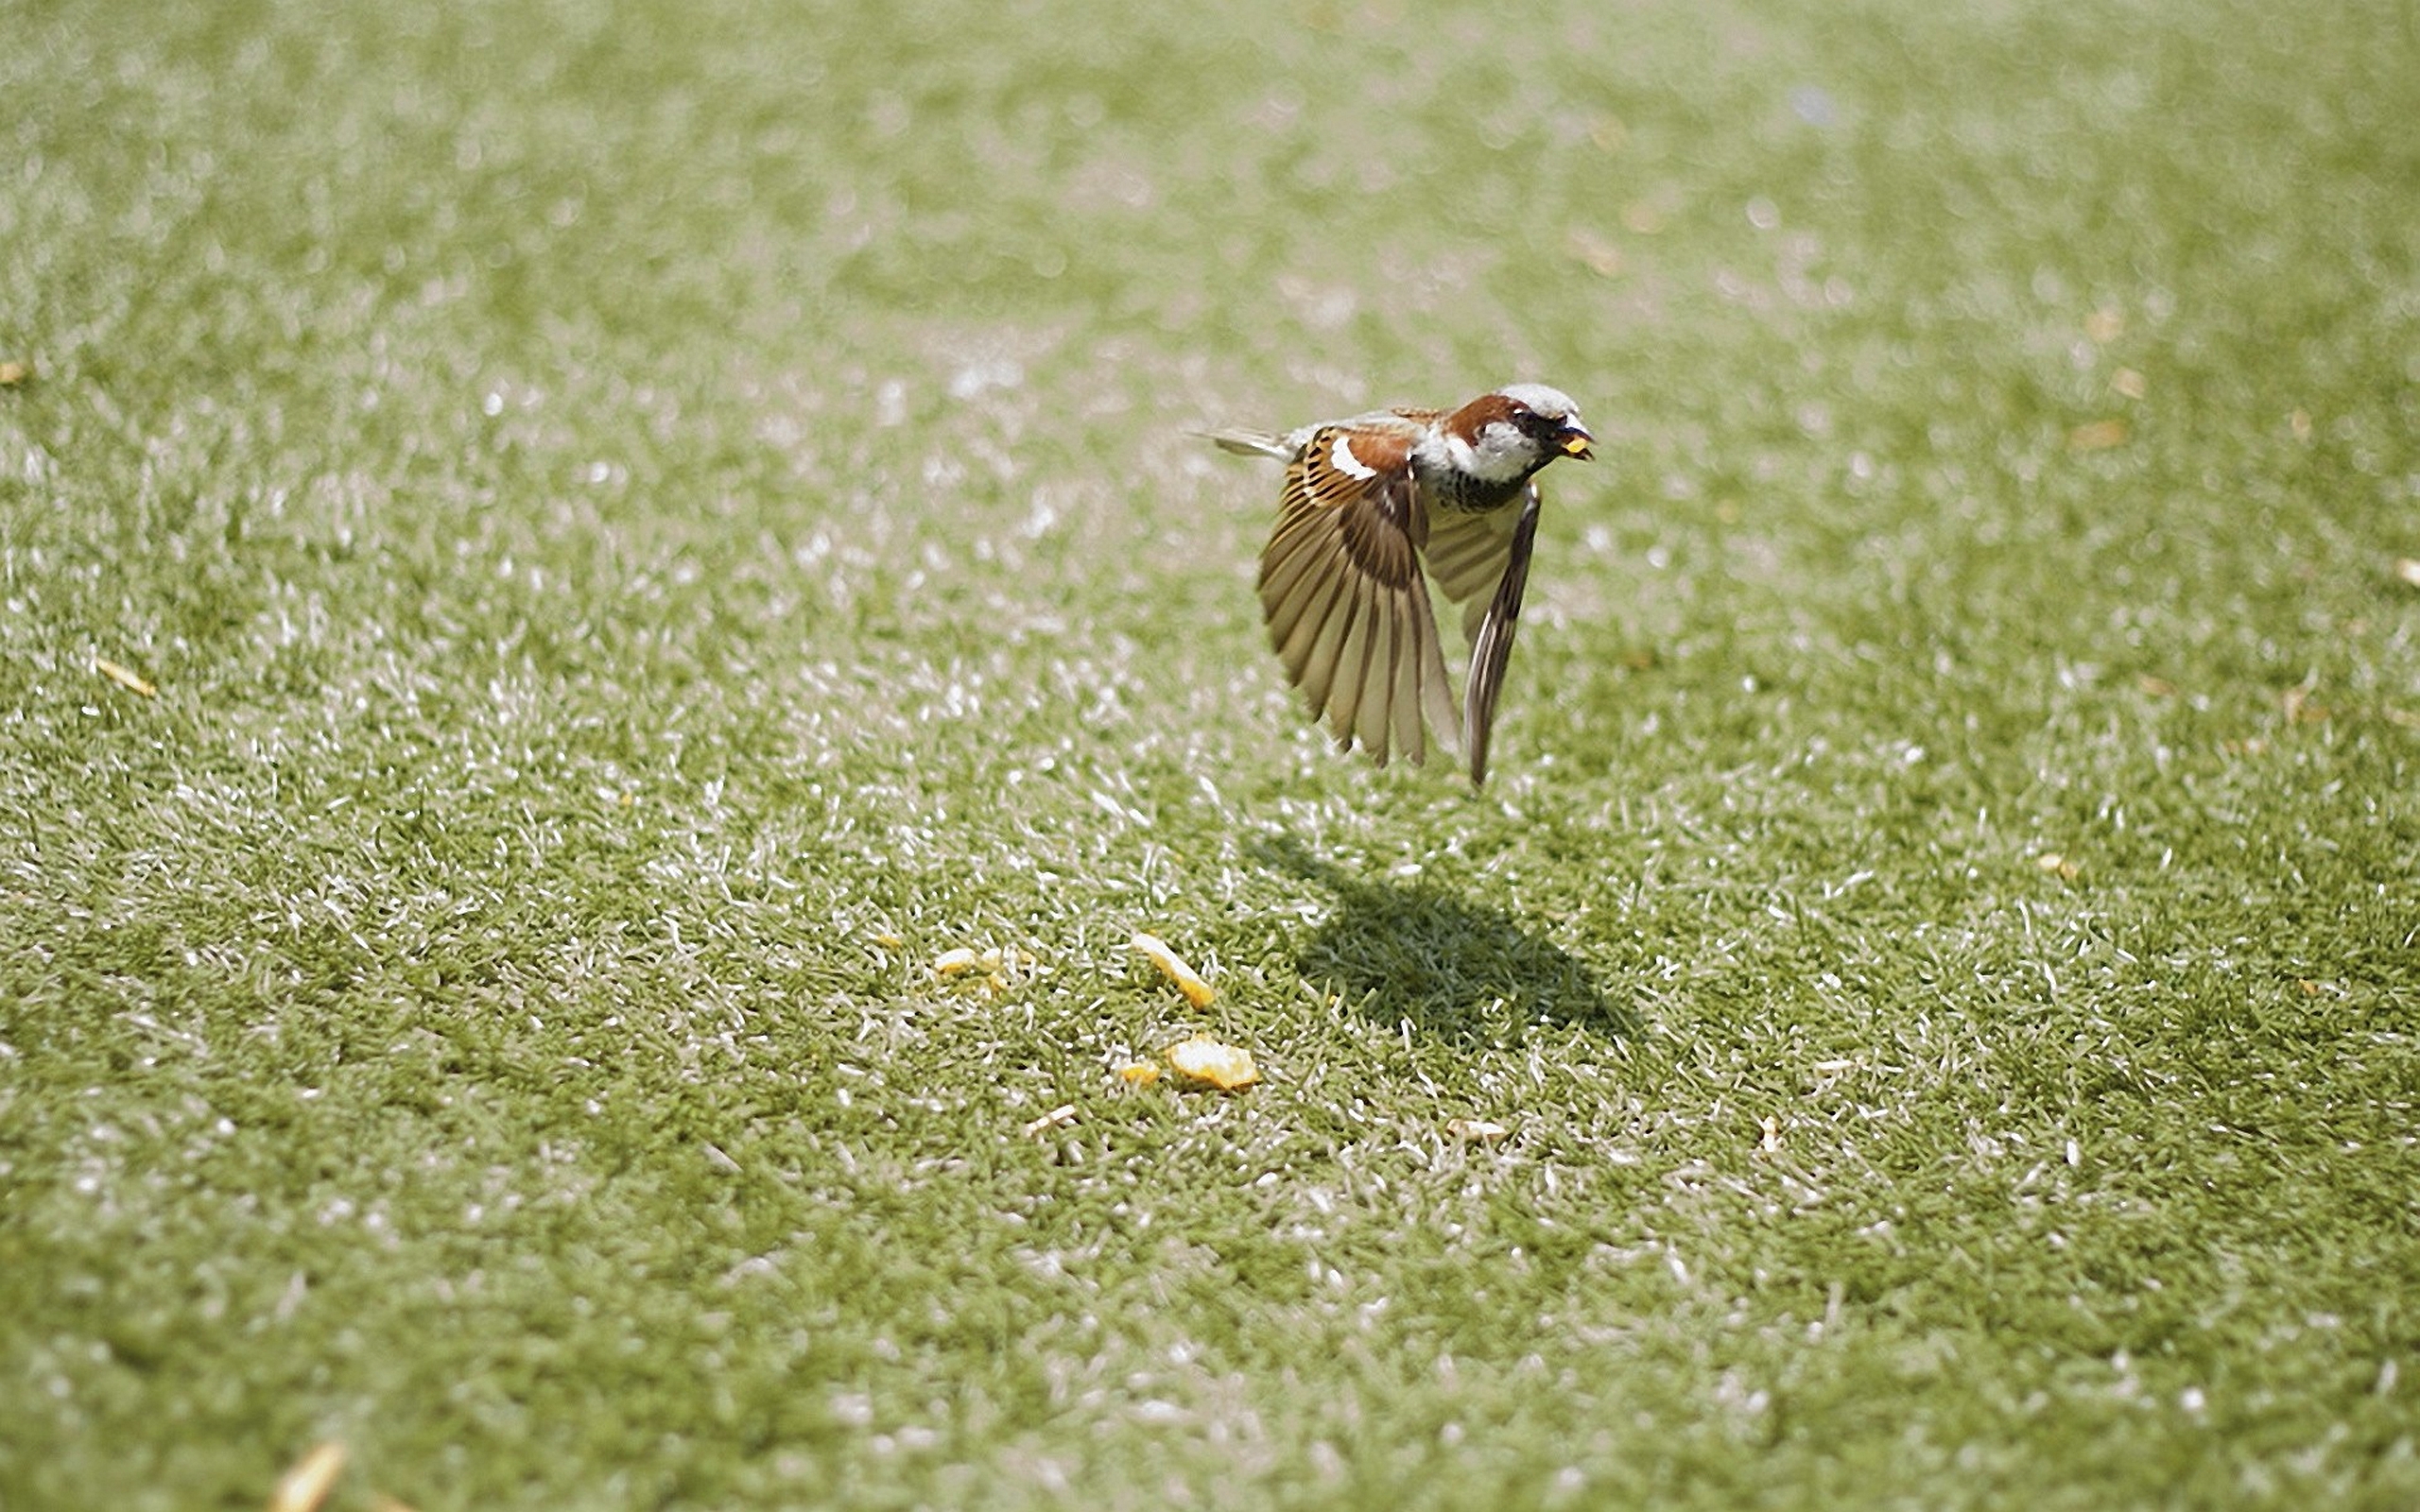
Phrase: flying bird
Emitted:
{"points": [[1374, 507]]}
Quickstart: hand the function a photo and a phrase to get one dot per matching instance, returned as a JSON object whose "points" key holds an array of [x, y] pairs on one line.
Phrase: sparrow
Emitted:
{"points": [[1370, 501]]}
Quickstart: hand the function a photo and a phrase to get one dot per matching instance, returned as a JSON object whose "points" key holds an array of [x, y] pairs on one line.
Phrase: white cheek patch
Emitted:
{"points": [[1340, 456], [1502, 454]]}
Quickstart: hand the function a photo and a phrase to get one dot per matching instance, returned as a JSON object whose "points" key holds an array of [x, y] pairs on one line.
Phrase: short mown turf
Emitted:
{"points": [[624, 533]]}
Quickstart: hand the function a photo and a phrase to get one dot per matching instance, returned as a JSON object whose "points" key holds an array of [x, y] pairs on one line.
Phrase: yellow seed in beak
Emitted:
{"points": [[1579, 444]]}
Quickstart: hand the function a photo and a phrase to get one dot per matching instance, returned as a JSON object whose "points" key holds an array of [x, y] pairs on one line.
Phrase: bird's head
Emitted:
{"points": [[1510, 434]]}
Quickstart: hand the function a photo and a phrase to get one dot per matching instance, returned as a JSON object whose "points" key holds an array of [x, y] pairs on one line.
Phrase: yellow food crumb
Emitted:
{"points": [[1198, 992], [981, 969], [2098, 435], [1223, 1066], [1059, 1117], [126, 676], [304, 1487]]}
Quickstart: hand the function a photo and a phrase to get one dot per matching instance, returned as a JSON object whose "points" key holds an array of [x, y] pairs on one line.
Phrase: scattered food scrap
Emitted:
{"points": [[2298, 707], [126, 676], [1478, 1130], [2105, 325], [890, 941], [2098, 435], [304, 1487], [1229, 1068], [2057, 864], [1198, 992], [988, 973], [2407, 569], [979, 969], [1598, 253], [1059, 1117], [1771, 1139], [14, 372], [1139, 1074]]}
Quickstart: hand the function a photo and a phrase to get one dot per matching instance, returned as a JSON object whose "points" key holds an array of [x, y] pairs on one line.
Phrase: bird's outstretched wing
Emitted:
{"points": [[1342, 590], [1467, 553], [1492, 637]]}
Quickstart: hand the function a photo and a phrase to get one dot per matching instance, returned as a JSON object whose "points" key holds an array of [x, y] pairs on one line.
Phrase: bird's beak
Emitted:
{"points": [[1578, 444]]}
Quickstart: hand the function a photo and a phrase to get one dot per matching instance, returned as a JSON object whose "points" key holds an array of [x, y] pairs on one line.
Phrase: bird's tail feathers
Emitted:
{"points": [[1249, 443]]}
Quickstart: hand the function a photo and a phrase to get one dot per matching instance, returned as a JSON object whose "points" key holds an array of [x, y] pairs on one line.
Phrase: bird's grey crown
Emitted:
{"points": [[1540, 399]]}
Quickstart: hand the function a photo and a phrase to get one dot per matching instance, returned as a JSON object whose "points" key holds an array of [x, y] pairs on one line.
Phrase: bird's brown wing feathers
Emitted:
{"points": [[1467, 554], [1342, 590], [1492, 636]]}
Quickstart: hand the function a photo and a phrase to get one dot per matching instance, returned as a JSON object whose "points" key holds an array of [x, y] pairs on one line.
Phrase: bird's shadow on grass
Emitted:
{"points": [[1458, 969]]}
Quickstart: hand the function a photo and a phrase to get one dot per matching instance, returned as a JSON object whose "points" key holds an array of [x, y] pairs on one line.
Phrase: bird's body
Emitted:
{"points": [[1368, 503]]}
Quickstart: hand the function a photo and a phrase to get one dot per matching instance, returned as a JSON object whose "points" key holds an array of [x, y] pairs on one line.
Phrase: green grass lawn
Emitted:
{"points": [[646, 526]]}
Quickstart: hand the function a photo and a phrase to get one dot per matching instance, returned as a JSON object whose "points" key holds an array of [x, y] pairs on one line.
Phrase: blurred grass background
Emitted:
{"points": [[647, 525]]}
